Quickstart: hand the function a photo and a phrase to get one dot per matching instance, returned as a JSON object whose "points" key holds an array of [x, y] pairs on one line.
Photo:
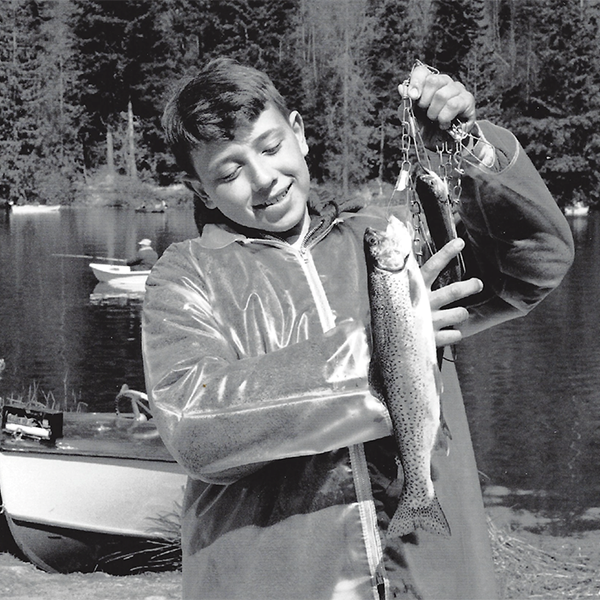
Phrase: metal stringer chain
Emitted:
{"points": [[414, 156]]}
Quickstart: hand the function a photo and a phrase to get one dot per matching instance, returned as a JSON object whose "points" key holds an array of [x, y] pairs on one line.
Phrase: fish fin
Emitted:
{"points": [[444, 426], [443, 434], [441, 445], [431, 519], [439, 384], [400, 473], [376, 379]]}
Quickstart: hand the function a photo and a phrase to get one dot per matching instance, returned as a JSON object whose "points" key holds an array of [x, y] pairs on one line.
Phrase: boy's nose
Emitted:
{"points": [[262, 175]]}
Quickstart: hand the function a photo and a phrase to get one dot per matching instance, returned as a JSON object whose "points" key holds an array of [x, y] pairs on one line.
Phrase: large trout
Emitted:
{"points": [[405, 371]]}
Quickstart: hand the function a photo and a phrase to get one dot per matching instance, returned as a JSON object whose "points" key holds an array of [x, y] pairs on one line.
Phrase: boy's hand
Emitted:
{"points": [[444, 318], [441, 101]]}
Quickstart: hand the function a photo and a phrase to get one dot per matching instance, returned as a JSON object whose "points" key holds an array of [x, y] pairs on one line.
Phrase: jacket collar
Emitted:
{"points": [[219, 235]]}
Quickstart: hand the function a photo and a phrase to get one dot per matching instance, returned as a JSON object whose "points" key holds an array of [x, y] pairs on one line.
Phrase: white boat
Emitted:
{"points": [[113, 273], [107, 486], [34, 209], [577, 210]]}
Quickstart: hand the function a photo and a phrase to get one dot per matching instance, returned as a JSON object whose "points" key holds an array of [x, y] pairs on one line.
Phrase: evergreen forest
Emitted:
{"points": [[84, 82]]}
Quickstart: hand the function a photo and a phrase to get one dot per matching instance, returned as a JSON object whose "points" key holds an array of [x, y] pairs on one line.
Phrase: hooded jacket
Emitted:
{"points": [[256, 356]]}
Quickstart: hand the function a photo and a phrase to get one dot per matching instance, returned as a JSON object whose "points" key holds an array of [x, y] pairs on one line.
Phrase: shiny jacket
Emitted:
{"points": [[256, 356]]}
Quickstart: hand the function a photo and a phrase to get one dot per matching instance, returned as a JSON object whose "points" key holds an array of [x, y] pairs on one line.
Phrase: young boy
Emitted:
{"points": [[256, 353]]}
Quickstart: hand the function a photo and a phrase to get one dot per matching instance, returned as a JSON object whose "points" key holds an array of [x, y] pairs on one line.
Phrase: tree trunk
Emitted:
{"points": [[110, 155], [346, 111], [131, 168]]}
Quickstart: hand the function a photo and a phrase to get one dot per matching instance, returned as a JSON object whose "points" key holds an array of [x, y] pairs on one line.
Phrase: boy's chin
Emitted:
{"points": [[289, 230]]}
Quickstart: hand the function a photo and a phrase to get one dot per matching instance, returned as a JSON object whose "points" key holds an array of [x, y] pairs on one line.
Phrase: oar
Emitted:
{"points": [[88, 256]]}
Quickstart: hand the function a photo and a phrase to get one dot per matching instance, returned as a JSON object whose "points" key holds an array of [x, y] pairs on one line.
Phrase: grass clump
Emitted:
{"points": [[526, 571]]}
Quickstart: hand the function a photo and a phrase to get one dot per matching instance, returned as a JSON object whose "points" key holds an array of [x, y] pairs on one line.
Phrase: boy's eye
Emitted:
{"points": [[229, 176], [272, 149]]}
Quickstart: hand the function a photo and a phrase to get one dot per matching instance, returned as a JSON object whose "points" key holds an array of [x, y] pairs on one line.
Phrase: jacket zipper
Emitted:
{"points": [[360, 473], [326, 316], [368, 519]]}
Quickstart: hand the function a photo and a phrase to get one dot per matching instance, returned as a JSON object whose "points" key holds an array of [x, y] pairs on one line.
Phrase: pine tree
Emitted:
{"points": [[337, 101], [453, 31], [556, 116], [121, 51], [39, 141], [254, 32], [482, 67], [396, 44]]}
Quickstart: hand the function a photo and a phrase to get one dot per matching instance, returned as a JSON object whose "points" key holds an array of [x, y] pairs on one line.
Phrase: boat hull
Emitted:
{"points": [[118, 273], [35, 209], [73, 504], [60, 550]]}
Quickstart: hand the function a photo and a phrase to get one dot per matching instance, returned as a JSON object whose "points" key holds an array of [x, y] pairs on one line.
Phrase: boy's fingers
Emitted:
{"points": [[434, 266], [445, 337], [415, 82], [450, 103], [440, 96], [435, 92], [454, 292], [449, 317]]}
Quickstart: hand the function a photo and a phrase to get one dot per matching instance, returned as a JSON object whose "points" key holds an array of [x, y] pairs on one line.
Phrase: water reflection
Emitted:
{"points": [[531, 389], [120, 290]]}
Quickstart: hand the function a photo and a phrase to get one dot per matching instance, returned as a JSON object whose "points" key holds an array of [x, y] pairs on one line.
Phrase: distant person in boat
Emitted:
{"points": [[257, 348], [145, 257]]}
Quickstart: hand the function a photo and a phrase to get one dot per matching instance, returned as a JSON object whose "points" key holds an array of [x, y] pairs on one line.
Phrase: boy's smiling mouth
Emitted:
{"points": [[274, 199]]}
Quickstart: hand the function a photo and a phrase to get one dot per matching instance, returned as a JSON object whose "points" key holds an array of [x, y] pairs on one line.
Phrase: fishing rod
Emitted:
{"points": [[89, 256]]}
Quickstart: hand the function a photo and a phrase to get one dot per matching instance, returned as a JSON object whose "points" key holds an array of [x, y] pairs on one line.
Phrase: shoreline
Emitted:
{"points": [[527, 565], [20, 580]]}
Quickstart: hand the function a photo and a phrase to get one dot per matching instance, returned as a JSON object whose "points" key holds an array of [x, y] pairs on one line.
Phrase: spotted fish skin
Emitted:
{"points": [[408, 378]]}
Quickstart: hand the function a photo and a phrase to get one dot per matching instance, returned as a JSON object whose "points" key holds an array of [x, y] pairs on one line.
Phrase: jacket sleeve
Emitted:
{"points": [[223, 416], [517, 240]]}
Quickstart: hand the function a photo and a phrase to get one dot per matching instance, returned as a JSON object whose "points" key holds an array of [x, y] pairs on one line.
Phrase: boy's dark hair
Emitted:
{"points": [[210, 106]]}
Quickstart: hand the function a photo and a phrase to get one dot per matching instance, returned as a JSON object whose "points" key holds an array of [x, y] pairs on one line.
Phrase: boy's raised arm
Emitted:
{"points": [[518, 242]]}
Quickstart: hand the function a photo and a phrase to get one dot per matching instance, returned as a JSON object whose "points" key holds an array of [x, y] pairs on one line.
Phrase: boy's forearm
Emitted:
{"points": [[518, 241], [222, 418]]}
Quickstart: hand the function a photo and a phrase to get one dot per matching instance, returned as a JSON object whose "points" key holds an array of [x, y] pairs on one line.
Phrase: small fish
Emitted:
{"points": [[434, 196], [406, 375]]}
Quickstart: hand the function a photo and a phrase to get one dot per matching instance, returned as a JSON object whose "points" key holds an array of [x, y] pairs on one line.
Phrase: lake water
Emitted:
{"points": [[59, 329], [532, 391], [532, 386]]}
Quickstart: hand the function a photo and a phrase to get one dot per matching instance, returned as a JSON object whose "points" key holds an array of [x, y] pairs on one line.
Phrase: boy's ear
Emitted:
{"points": [[195, 185], [297, 125]]}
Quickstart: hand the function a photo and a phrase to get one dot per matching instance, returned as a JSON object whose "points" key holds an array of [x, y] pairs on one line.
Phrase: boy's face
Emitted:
{"points": [[260, 179]]}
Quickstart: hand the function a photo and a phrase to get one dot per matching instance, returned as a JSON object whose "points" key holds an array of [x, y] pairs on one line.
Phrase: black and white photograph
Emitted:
{"points": [[299, 299]]}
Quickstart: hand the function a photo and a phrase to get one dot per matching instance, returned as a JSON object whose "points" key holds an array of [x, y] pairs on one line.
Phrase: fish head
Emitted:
{"points": [[389, 250], [438, 185]]}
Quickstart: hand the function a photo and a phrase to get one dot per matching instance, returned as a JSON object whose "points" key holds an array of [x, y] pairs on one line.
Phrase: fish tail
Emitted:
{"points": [[407, 519]]}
